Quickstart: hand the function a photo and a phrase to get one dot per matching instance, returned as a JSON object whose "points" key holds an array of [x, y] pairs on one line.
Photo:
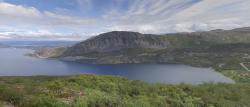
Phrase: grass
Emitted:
{"points": [[109, 91], [1, 104], [240, 76]]}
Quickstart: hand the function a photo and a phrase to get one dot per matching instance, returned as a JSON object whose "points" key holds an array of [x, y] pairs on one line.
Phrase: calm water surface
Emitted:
{"points": [[13, 62]]}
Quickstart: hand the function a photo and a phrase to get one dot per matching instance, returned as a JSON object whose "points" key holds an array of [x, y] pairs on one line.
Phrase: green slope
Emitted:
{"points": [[108, 91]]}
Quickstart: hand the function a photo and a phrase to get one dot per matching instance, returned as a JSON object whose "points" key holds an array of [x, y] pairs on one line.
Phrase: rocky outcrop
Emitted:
{"points": [[49, 52], [117, 40]]}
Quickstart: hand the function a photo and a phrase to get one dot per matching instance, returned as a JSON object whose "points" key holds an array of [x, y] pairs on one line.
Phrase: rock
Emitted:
{"points": [[49, 52], [117, 40]]}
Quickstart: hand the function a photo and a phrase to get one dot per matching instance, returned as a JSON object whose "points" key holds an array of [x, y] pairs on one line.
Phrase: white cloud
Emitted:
{"points": [[85, 5], [42, 34], [146, 16], [30, 21], [18, 14], [18, 10], [164, 16]]}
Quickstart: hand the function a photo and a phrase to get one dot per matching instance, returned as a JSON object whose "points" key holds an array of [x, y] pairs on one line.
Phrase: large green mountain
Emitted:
{"points": [[197, 48]]}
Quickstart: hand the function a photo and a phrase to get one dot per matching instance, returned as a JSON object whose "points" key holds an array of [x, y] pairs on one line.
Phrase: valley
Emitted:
{"points": [[124, 53], [147, 71], [223, 50]]}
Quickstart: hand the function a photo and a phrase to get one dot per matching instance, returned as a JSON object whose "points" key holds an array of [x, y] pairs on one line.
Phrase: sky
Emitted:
{"points": [[81, 19]]}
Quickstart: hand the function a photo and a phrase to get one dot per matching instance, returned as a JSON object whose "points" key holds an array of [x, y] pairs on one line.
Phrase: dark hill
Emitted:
{"points": [[117, 40], [197, 48]]}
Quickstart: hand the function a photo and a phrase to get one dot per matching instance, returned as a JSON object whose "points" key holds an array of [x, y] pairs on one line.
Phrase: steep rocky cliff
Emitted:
{"points": [[117, 40]]}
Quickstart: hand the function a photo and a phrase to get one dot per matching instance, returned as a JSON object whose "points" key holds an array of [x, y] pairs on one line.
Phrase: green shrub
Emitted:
{"points": [[12, 96], [108, 91], [80, 102], [46, 101], [1, 104], [95, 98]]}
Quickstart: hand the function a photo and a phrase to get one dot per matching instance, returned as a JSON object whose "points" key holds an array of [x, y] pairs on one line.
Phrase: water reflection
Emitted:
{"points": [[14, 63]]}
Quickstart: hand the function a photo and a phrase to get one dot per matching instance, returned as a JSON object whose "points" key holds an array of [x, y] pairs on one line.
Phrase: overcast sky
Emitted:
{"points": [[81, 19]]}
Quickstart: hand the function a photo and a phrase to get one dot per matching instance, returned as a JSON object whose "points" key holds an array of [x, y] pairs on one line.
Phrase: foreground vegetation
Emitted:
{"points": [[224, 51], [109, 91]]}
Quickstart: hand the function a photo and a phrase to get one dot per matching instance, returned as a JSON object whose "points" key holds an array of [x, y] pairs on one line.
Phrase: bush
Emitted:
{"points": [[12, 96], [108, 91], [46, 101], [1, 104], [95, 98]]}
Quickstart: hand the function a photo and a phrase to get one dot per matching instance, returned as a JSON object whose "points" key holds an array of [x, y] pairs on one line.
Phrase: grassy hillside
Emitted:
{"points": [[108, 91]]}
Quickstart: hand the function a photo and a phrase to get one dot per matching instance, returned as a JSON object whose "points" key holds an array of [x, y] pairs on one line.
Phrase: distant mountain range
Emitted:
{"points": [[197, 48], [37, 44]]}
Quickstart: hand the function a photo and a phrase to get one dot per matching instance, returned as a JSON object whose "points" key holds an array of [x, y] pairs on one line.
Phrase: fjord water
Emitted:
{"points": [[13, 62]]}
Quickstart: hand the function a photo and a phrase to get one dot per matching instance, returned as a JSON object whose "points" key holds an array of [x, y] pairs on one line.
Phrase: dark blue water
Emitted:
{"points": [[13, 62]]}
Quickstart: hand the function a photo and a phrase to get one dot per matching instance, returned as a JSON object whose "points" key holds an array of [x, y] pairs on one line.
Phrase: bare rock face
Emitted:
{"points": [[117, 40], [49, 52]]}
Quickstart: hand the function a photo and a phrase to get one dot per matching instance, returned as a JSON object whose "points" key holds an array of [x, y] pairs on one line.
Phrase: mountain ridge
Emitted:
{"points": [[117, 40], [133, 47]]}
